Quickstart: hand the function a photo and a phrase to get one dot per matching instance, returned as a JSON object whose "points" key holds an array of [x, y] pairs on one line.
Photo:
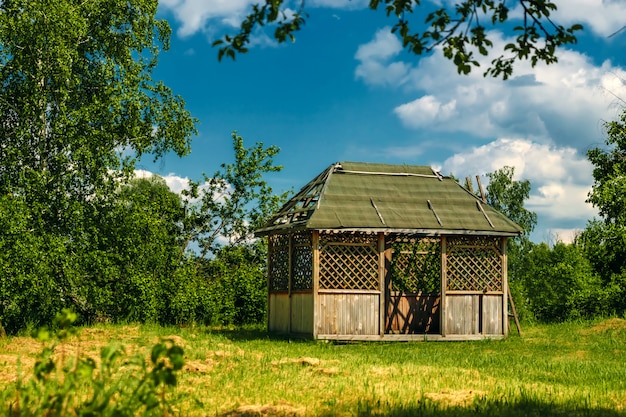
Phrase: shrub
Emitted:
{"points": [[560, 283], [76, 385]]}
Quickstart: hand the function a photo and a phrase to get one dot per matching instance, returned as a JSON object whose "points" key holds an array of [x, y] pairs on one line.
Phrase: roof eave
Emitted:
{"points": [[289, 228]]}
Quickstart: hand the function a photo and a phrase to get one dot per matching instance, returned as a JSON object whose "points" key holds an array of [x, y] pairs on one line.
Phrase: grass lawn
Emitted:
{"points": [[570, 369]]}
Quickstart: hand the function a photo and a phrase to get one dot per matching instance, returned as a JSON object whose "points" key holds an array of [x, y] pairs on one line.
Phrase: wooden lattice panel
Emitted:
{"points": [[474, 264], [278, 264], [302, 239], [416, 266], [474, 241], [302, 267], [348, 262]]}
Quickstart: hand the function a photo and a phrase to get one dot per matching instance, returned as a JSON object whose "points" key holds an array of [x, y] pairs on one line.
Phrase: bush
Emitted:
{"points": [[76, 385], [29, 294], [237, 285], [560, 283]]}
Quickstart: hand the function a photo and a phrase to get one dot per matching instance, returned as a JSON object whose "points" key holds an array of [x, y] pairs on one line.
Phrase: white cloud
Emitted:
{"points": [[374, 57], [197, 15], [545, 116], [425, 111], [193, 15], [559, 177], [563, 103], [552, 236], [175, 183], [339, 4], [385, 45], [603, 17]]}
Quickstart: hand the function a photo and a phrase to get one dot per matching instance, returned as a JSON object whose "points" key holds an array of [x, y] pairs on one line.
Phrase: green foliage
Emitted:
{"points": [[115, 385], [29, 294], [235, 201], [77, 89], [128, 259], [78, 107], [604, 242], [608, 192], [416, 267], [560, 283], [604, 245], [458, 31], [507, 196], [238, 285], [131, 247], [516, 257]]}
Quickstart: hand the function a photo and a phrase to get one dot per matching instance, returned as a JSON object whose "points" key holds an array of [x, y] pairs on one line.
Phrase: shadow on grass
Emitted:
{"points": [[483, 407], [480, 408]]}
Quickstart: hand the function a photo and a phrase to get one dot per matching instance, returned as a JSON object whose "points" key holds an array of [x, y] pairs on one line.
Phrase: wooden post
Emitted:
{"points": [[508, 292], [468, 185], [381, 278], [269, 269], [388, 259], [290, 276], [315, 246], [519, 328], [444, 285], [480, 188], [505, 288]]}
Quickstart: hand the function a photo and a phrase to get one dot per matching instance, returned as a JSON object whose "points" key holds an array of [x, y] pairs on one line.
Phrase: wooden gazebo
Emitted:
{"points": [[387, 252]]}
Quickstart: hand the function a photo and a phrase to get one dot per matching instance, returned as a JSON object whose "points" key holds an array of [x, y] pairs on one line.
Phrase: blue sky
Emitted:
{"points": [[346, 91]]}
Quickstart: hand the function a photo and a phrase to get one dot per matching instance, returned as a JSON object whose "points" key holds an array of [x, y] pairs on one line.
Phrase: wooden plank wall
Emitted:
{"points": [[462, 314], [278, 306], [468, 314], [302, 313], [492, 314], [348, 313]]}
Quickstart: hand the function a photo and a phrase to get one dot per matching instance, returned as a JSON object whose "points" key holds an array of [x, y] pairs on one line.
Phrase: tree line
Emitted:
{"points": [[582, 279], [144, 253], [79, 107]]}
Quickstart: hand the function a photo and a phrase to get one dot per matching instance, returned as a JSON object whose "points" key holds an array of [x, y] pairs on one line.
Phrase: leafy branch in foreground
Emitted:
{"points": [[458, 31], [114, 385]]}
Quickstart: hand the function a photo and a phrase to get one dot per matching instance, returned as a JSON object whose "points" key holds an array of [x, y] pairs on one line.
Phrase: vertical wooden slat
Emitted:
{"points": [[302, 313], [269, 256], [444, 284], [475, 314], [381, 276], [290, 275], [505, 289], [386, 300], [315, 243]]}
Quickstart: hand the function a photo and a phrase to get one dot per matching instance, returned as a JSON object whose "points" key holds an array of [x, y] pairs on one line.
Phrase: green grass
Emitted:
{"points": [[571, 369]]}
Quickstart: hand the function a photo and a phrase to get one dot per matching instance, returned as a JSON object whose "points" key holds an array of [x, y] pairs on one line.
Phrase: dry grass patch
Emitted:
{"points": [[199, 367], [20, 353], [614, 324], [298, 361], [319, 366], [265, 410], [454, 398]]}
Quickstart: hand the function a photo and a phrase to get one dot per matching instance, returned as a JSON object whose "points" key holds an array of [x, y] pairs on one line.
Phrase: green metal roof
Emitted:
{"points": [[356, 196]]}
